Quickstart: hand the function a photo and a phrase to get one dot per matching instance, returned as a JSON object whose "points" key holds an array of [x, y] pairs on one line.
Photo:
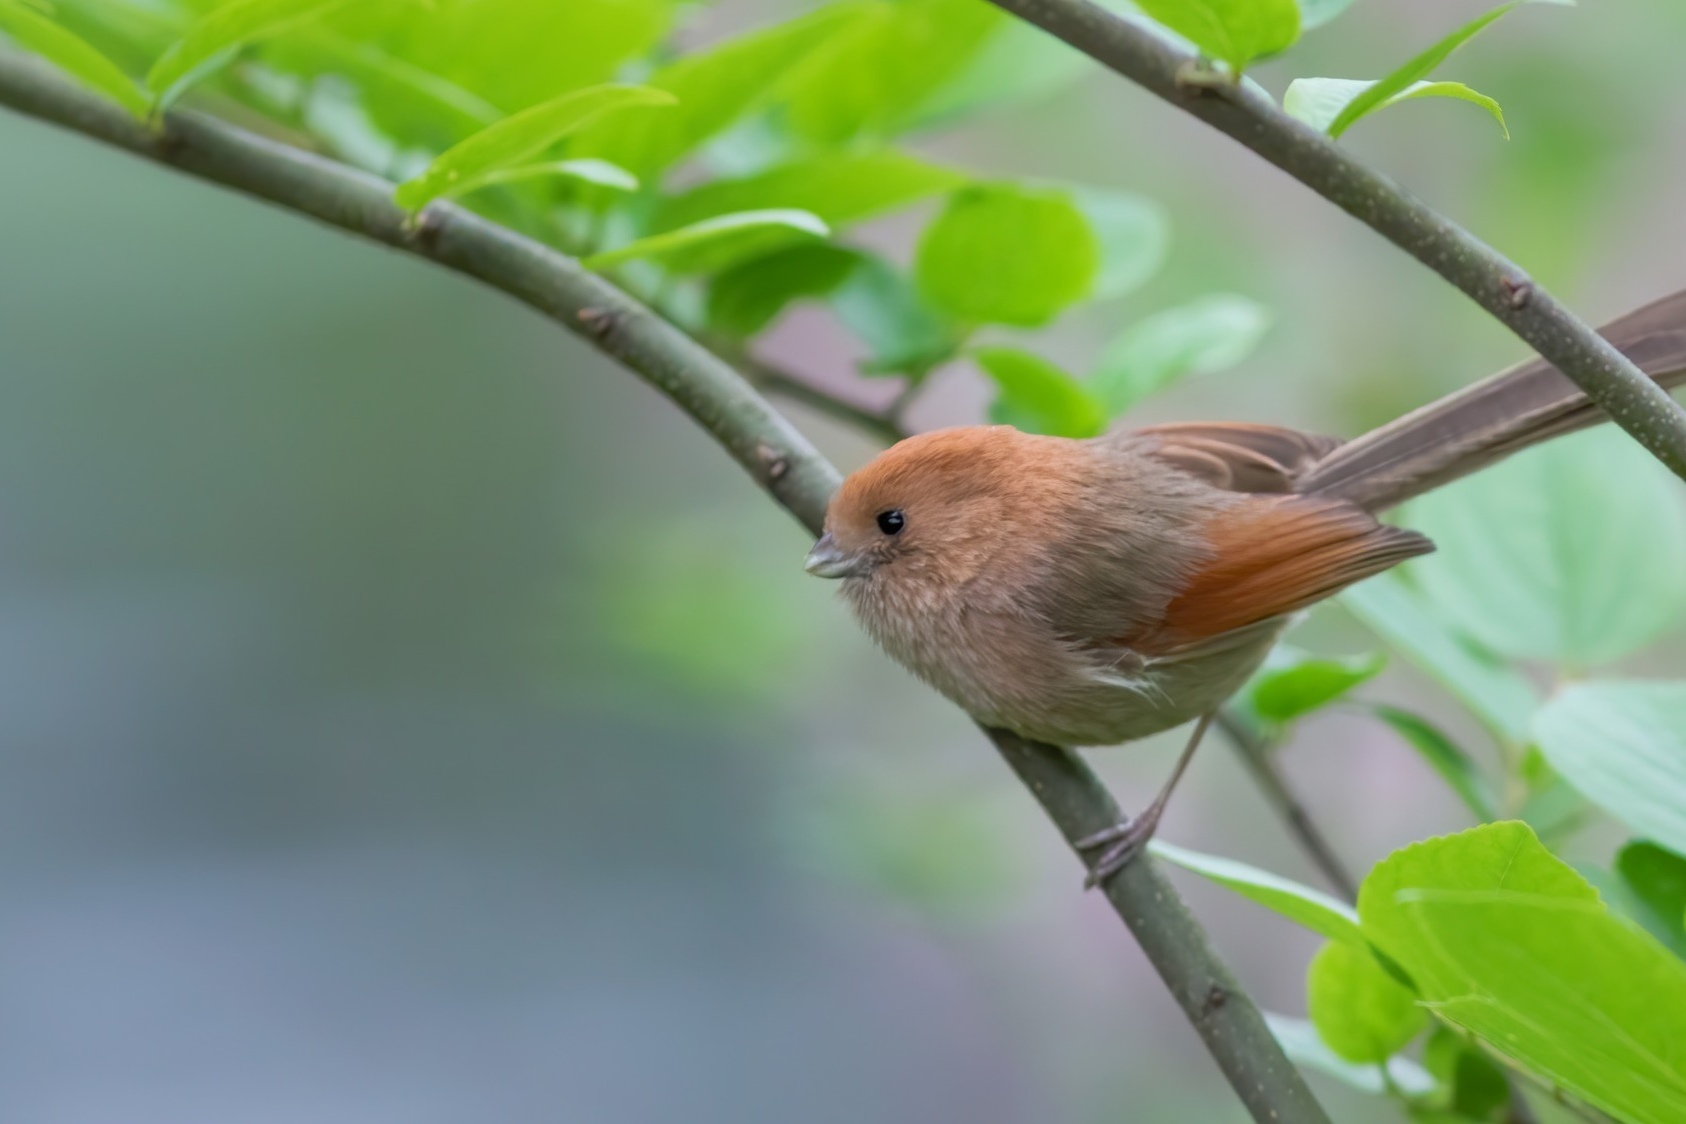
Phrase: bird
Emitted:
{"points": [[1089, 592]]}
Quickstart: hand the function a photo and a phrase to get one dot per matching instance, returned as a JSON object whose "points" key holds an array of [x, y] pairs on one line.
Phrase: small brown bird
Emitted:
{"points": [[1094, 592]]}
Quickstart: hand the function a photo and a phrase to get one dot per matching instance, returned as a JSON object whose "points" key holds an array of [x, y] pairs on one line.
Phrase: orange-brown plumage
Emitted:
{"points": [[1092, 592]]}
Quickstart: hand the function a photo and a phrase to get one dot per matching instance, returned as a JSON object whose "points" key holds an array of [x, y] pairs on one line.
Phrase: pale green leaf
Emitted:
{"points": [[1232, 31], [1571, 552], [904, 334], [41, 35], [1506, 941], [1293, 683], [1037, 396], [1623, 746], [1319, 101], [840, 188], [1133, 233], [1475, 1086], [1300, 904], [1018, 63], [1006, 254], [872, 77], [1444, 757], [1361, 1012], [717, 243], [1420, 67], [1316, 13], [211, 40], [1205, 336], [1300, 1041], [714, 87], [1495, 693], [526, 134], [746, 298]]}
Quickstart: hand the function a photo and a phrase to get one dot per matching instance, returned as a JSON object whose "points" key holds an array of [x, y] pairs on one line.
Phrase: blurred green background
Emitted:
{"points": [[407, 716]]}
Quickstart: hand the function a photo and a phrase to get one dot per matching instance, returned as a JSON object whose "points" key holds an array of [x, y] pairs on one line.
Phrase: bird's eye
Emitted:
{"points": [[891, 522]]}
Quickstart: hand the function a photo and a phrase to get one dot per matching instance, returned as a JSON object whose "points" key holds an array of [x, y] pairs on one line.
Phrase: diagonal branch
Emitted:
{"points": [[708, 389], [1249, 116]]}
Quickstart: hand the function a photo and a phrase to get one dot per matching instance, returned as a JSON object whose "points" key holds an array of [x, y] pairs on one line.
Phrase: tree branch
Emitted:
{"points": [[778, 457], [1633, 401]]}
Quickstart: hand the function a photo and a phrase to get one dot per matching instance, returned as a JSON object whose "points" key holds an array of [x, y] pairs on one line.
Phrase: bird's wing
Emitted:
{"points": [[1234, 456], [1272, 555]]}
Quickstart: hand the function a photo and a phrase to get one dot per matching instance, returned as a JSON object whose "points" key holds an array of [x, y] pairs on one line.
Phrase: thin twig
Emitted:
{"points": [[757, 436], [784, 384], [1255, 752], [1498, 285]]}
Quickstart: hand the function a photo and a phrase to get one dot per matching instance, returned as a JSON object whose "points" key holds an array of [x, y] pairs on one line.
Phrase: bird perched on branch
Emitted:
{"points": [[1098, 591]]}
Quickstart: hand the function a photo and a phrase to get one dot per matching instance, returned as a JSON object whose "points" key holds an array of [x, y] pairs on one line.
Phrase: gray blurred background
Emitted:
{"points": [[406, 717]]}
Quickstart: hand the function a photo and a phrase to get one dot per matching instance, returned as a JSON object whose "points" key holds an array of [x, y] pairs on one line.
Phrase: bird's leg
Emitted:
{"points": [[1123, 841]]}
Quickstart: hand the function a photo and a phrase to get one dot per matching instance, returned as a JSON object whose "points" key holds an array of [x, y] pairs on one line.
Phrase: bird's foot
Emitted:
{"points": [[1118, 845]]}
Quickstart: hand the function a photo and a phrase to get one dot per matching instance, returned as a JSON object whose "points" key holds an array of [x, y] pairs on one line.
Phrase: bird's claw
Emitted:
{"points": [[1122, 842]]}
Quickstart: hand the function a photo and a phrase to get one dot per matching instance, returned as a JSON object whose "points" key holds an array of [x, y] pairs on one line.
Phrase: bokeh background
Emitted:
{"points": [[405, 716]]}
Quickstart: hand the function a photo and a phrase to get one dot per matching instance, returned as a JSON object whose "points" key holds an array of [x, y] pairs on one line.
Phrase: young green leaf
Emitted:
{"points": [[1231, 31], [1571, 552], [715, 244], [1017, 64], [1133, 233], [1037, 396], [714, 88], [1316, 13], [1319, 101], [211, 40], [1444, 757], [72, 54], [1359, 1009], [598, 173], [1417, 69], [1506, 941], [1495, 693], [1623, 746], [1293, 683], [1005, 254], [1306, 1049], [1475, 1087], [904, 334], [514, 139], [1204, 336], [872, 77], [747, 297], [1656, 879], [1302, 905], [839, 187]]}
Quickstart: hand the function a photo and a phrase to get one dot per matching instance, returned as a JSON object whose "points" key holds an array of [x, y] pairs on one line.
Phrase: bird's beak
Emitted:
{"points": [[827, 560]]}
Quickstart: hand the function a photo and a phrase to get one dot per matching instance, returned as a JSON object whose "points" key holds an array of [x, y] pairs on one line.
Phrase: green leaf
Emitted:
{"points": [[211, 40], [72, 54], [904, 334], [1293, 683], [1202, 337], [714, 244], [714, 88], [514, 139], [1475, 1085], [1360, 1011], [1302, 905], [1316, 13], [1387, 89], [1037, 396], [1319, 101], [1506, 941], [747, 297], [1005, 254], [1133, 233], [598, 173], [873, 77], [1494, 692], [840, 188], [1656, 879], [1623, 746], [1444, 757], [1017, 64], [1306, 1049], [1231, 31]]}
